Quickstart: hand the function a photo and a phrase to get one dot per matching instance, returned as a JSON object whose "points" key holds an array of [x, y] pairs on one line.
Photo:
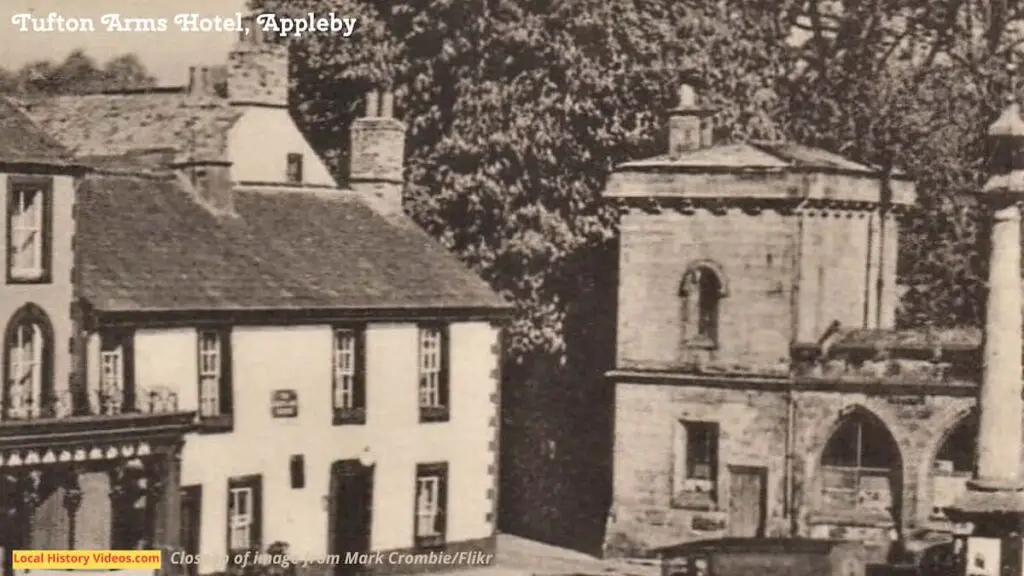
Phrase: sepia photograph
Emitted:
{"points": [[512, 288]]}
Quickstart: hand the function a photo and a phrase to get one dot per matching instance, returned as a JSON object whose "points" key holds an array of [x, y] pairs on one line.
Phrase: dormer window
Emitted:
{"points": [[701, 291], [294, 169]]}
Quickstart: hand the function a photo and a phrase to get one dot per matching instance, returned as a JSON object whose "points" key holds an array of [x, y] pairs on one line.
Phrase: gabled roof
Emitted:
{"points": [[147, 245], [21, 142], [754, 156], [127, 123]]}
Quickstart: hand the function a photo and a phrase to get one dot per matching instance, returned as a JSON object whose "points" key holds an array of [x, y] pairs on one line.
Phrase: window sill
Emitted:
{"points": [[349, 416], [701, 344], [433, 414], [427, 542], [698, 501], [216, 424], [864, 518], [28, 277]]}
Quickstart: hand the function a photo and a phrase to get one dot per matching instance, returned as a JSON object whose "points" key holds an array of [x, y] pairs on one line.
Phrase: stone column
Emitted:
{"points": [[1000, 402]]}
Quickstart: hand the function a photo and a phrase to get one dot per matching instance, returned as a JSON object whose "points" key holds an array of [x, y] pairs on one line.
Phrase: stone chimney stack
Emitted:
{"points": [[258, 69], [378, 152], [200, 83], [688, 128]]}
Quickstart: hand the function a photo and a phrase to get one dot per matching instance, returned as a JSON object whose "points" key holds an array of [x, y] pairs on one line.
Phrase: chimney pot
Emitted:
{"points": [[372, 104], [687, 96], [204, 81], [387, 105]]}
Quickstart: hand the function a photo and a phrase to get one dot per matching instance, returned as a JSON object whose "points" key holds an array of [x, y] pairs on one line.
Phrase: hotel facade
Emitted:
{"points": [[211, 347]]}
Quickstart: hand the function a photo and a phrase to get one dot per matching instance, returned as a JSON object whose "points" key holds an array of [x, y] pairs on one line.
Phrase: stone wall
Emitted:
{"points": [[756, 257], [752, 433], [753, 420]]}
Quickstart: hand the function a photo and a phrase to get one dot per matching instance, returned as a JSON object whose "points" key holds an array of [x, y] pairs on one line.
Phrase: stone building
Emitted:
{"points": [[760, 386], [297, 360]]}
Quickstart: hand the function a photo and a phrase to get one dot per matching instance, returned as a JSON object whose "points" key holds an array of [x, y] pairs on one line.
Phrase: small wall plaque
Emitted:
{"points": [[284, 404]]}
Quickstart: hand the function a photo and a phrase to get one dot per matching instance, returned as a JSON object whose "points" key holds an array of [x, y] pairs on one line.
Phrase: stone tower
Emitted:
{"points": [[732, 253], [257, 72]]}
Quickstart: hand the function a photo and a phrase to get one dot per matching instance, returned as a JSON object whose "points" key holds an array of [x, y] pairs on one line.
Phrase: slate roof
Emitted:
{"points": [[774, 156], [22, 142], [132, 123], [147, 245]]}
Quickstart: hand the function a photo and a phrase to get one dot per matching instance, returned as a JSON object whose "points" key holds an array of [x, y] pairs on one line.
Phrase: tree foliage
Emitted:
{"points": [[518, 110], [76, 74]]}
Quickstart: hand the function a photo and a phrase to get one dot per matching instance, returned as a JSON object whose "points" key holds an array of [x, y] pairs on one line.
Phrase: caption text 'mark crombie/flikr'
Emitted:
{"points": [[309, 23], [432, 558]]}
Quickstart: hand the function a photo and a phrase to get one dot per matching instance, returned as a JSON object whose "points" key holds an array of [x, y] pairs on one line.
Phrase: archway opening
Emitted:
{"points": [[861, 468], [953, 465]]}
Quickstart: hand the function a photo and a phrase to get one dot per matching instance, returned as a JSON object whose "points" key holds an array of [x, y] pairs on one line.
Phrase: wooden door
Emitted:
{"points": [[191, 520], [747, 501], [351, 512]]}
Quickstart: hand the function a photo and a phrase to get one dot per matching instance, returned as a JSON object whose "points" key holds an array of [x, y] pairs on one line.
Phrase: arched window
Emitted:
{"points": [[861, 466], [954, 465], [28, 380], [702, 290]]}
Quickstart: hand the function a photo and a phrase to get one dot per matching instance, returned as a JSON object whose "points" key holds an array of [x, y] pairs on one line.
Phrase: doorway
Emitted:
{"points": [[350, 513], [748, 500], [191, 520]]}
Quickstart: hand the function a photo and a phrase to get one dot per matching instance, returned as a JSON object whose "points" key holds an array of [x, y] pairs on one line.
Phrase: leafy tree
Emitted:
{"points": [[913, 85], [76, 74], [517, 112]]}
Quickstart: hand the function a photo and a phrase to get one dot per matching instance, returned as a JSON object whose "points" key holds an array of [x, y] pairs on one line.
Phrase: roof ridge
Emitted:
{"points": [[43, 134], [764, 146]]}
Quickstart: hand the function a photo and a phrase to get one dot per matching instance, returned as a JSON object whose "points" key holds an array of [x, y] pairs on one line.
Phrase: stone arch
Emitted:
{"points": [[701, 290], [950, 423], [872, 465], [947, 424], [711, 266], [41, 393], [827, 429]]}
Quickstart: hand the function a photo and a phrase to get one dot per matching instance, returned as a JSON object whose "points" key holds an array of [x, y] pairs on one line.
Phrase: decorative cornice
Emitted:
{"points": [[754, 206], [764, 383], [88, 431]]}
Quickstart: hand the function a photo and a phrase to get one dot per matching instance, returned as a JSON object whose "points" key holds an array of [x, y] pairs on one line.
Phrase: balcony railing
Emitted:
{"points": [[19, 406]]}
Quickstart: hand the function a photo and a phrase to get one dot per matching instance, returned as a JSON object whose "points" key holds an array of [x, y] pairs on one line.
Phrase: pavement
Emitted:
{"points": [[516, 556]]}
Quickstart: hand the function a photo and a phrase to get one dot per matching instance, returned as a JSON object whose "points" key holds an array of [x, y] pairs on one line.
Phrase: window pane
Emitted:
{"points": [[26, 231], [701, 448]]}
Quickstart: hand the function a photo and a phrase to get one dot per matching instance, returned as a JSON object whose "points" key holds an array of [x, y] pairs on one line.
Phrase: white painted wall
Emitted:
{"points": [[56, 296], [259, 144], [269, 358]]}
